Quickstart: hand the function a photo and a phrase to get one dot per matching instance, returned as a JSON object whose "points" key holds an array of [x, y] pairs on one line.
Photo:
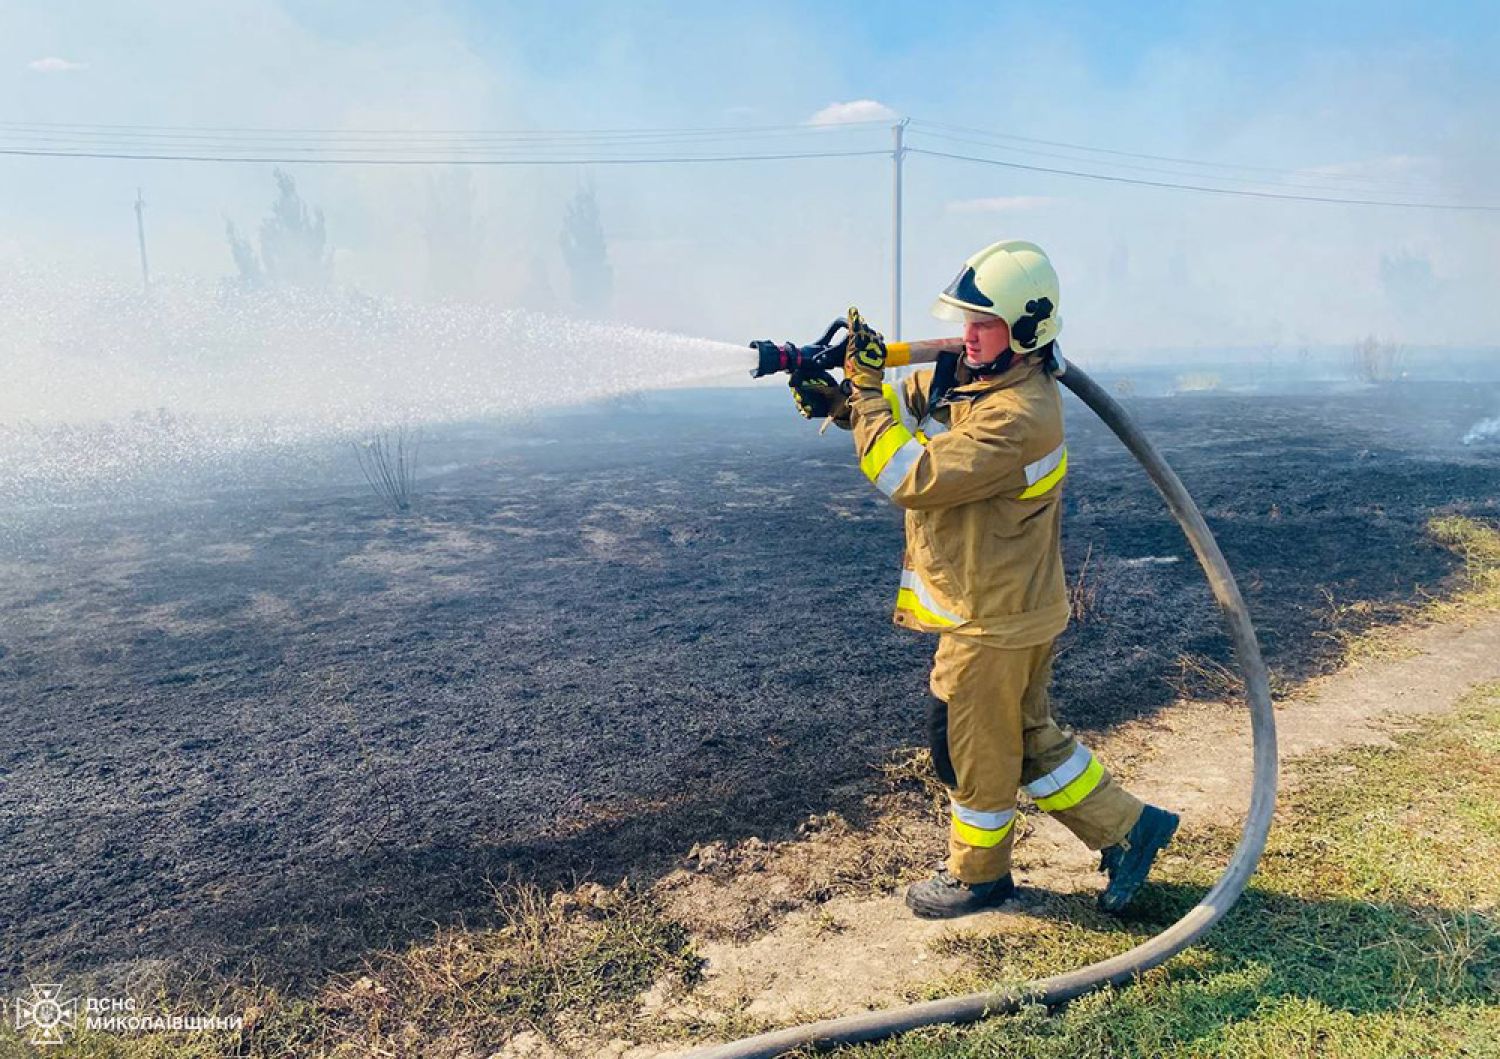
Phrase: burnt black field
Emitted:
{"points": [[276, 727]]}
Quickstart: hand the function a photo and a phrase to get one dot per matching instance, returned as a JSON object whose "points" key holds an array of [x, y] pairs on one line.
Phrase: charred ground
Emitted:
{"points": [[281, 727]]}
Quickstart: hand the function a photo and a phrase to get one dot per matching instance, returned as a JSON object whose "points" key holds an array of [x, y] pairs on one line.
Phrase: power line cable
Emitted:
{"points": [[52, 140], [521, 135], [330, 146], [233, 145], [1468, 207], [407, 138], [921, 122], [1366, 187], [263, 159], [235, 137], [125, 142]]}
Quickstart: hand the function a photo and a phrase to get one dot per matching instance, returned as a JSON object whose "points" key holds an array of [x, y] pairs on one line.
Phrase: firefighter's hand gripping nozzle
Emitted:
{"points": [[814, 390]]}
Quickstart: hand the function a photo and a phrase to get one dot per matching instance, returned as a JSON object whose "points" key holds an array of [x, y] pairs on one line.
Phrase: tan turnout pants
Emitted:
{"points": [[991, 731]]}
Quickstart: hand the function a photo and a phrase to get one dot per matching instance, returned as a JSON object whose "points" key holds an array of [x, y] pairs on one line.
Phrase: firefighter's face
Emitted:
{"points": [[984, 342]]}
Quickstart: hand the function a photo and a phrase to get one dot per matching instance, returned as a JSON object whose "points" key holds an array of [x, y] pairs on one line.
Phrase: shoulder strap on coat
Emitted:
{"points": [[944, 376]]}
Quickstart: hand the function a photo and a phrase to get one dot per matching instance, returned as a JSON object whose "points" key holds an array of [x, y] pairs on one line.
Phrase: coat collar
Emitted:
{"points": [[970, 386]]}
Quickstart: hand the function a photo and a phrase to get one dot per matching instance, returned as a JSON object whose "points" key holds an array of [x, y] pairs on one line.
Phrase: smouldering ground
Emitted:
{"points": [[283, 728]]}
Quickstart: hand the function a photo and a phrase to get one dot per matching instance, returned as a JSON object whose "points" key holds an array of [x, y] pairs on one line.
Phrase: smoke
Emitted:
{"points": [[1483, 430], [751, 248]]}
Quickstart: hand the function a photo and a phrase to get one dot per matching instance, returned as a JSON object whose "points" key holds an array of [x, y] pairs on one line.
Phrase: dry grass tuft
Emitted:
{"points": [[1365, 630], [1198, 677], [555, 959], [1083, 593], [563, 969], [910, 769], [1479, 544]]}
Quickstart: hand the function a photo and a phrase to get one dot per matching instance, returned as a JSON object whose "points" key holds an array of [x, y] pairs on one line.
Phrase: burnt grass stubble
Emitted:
{"points": [[270, 732]]}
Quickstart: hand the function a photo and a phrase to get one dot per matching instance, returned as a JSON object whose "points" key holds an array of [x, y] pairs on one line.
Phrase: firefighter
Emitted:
{"points": [[975, 455]]}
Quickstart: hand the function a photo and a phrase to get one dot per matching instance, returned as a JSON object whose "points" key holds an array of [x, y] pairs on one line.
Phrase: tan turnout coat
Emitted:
{"points": [[980, 478]]}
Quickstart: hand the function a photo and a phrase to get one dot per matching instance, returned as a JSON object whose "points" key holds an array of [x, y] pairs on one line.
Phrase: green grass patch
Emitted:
{"points": [[1371, 928]]}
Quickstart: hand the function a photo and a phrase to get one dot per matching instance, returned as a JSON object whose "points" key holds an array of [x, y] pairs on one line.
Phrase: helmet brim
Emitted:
{"points": [[946, 309]]}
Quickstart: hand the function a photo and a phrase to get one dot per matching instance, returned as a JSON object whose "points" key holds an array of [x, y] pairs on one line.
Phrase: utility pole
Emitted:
{"points": [[140, 234], [896, 157]]}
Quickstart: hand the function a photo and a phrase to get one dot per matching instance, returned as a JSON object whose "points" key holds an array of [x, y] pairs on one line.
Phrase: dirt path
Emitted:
{"points": [[850, 954]]}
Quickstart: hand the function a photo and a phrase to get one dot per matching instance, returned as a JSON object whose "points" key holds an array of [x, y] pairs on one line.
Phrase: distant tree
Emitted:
{"points": [[293, 243], [454, 236], [586, 253], [245, 261]]}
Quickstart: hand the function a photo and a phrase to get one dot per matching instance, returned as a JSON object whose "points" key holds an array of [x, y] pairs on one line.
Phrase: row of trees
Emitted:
{"points": [[293, 249]]}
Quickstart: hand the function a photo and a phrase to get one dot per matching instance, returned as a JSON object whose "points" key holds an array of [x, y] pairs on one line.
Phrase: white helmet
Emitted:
{"points": [[1014, 281]]}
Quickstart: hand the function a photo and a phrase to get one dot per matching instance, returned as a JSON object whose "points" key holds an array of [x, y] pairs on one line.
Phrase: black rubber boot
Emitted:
{"points": [[1129, 862], [944, 896]]}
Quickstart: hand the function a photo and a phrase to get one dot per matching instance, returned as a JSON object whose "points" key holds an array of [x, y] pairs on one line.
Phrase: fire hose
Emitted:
{"points": [[1117, 970]]}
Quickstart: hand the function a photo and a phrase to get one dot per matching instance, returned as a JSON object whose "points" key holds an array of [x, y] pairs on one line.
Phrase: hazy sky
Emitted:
{"points": [[1399, 94]]}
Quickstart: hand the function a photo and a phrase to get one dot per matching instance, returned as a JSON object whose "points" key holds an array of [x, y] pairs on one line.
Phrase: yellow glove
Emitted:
{"points": [[864, 361], [818, 396]]}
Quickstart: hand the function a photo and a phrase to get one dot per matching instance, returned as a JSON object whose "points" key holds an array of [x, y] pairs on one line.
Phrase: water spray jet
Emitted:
{"points": [[108, 394]]}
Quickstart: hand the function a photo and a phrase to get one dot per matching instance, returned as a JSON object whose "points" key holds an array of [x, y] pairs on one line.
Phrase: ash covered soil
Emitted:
{"points": [[277, 728]]}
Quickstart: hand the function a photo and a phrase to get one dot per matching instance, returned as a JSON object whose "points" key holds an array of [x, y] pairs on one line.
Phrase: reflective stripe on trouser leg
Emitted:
{"points": [[978, 853], [982, 830], [1068, 784], [1067, 780]]}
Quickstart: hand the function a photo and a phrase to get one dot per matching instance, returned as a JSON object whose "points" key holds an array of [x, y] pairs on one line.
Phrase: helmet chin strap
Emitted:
{"points": [[994, 367], [1050, 356]]}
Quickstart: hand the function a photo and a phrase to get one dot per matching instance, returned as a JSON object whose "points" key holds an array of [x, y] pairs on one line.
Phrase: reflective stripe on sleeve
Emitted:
{"points": [[887, 445], [974, 827], [1068, 784], [1043, 475], [916, 598], [895, 451], [901, 462]]}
